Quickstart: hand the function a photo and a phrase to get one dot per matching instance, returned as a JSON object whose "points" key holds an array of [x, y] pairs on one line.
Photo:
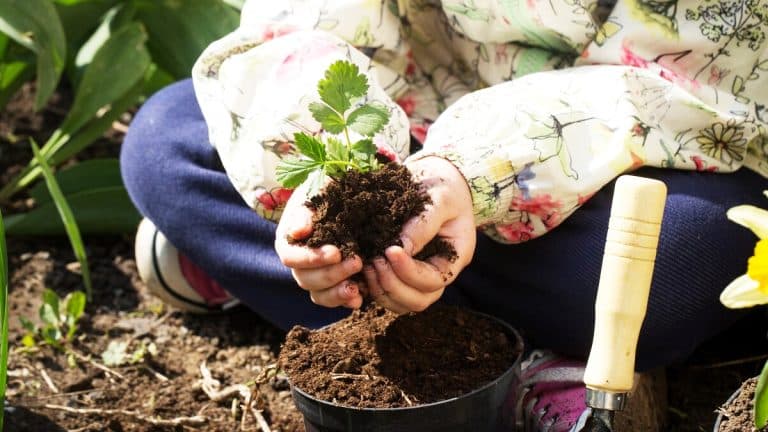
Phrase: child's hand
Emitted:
{"points": [[403, 284], [321, 270]]}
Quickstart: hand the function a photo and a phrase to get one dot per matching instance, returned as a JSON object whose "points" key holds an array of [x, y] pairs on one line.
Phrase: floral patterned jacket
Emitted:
{"points": [[538, 103]]}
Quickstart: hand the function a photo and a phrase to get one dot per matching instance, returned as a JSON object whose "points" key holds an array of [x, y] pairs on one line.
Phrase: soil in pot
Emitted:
{"points": [[364, 213], [377, 359], [737, 414]]}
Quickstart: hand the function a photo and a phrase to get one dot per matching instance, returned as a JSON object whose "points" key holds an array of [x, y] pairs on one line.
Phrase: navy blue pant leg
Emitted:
{"points": [[545, 287], [175, 178]]}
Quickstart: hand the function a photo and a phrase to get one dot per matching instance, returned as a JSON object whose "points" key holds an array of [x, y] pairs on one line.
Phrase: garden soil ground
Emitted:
{"points": [[46, 392]]}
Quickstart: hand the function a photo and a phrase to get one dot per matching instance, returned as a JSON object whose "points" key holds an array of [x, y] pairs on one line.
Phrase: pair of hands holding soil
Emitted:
{"points": [[396, 280]]}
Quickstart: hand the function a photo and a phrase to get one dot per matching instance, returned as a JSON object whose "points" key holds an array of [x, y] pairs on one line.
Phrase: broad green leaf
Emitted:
{"points": [[114, 19], [315, 182], [51, 335], [62, 147], [155, 79], [35, 24], [121, 62], [73, 232], [180, 30], [292, 172], [342, 83], [80, 18], [309, 146], [330, 119], [115, 354], [89, 174], [761, 399], [369, 119], [337, 150], [98, 211], [3, 318]]}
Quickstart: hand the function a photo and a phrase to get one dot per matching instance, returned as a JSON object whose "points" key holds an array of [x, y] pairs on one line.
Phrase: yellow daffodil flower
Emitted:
{"points": [[750, 289]]}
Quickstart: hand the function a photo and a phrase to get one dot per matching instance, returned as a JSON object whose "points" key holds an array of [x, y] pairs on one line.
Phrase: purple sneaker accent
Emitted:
{"points": [[552, 393]]}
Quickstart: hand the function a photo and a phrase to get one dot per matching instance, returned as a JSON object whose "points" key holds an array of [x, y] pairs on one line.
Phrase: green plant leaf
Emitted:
{"points": [[73, 232], [121, 62], [180, 30], [62, 147], [28, 340], [48, 315], [342, 83], [310, 146], [315, 182], [27, 324], [98, 211], [16, 67], [115, 354], [87, 175], [75, 306], [35, 24], [761, 399], [113, 20], [3, 318], [364, 148], [336, 150], [237, 4], [369, 119], [292, 172], [51, 335], [328, 118]]}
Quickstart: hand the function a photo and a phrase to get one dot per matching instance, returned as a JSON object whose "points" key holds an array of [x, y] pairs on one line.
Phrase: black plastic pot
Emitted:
{"points": [[489, 408], [720, 416]]}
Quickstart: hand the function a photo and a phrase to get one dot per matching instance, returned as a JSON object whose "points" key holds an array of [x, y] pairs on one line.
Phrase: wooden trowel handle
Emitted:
{"points": [[625, 281]]}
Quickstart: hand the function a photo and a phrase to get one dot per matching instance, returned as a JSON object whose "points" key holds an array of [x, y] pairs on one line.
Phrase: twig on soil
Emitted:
{"points": [[94, 363], [48, 380], [46, 397], [177, 421], [155, 373], [260, 420], [337, 376], [408, 401], [211, 386]]}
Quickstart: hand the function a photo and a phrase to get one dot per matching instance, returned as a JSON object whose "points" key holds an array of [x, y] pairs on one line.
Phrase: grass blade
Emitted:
{"points": [[3, 320], [73, 232]]}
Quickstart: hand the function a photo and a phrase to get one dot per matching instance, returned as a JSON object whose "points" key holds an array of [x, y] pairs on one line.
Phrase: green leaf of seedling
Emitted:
{"points": [[51, 335], [342, 83], [310, 146], [75, 306], [369, 119], [336, 150], [330, 119], [363, 149], [49, 310], [292, 172], [315, 182], [761, 399]]}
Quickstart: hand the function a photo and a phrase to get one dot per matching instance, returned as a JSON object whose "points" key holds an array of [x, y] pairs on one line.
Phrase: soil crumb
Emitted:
{"points": [[377, 359], [364, 213]]}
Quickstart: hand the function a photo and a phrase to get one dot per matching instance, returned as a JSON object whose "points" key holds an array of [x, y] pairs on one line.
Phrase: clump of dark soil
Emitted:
{"points": [[738, 413], [377, 359], [364, 213]]}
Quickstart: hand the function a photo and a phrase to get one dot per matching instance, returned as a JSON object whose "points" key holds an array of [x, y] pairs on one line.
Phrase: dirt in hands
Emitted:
{"points": [[377, 359], [363, 213]]}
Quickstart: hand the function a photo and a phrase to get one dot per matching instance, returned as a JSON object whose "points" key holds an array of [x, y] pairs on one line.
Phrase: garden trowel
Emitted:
{"points": [[622, 297]]}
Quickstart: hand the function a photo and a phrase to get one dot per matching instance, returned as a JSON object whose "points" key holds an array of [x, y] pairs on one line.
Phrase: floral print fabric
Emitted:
{"points": [[538, 103]]}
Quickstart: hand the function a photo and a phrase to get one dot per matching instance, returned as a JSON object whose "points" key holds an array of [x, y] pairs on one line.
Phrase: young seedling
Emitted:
{"points": [[343, 109], [59, 319]]}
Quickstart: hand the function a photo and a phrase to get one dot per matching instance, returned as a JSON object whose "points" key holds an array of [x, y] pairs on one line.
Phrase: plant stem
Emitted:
{"points": [[345, 164]]}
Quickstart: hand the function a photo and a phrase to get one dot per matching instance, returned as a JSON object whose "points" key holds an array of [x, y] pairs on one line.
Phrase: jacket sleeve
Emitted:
{"points": [[686, 92], [254, 85]]}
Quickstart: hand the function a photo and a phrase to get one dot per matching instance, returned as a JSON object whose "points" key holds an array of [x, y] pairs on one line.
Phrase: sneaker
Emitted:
{"points": [[552, 397], [172, 277]]}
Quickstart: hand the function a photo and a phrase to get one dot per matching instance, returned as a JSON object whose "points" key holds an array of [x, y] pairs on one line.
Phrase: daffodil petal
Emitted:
{"points": [[751, 217], [743, 292]]}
